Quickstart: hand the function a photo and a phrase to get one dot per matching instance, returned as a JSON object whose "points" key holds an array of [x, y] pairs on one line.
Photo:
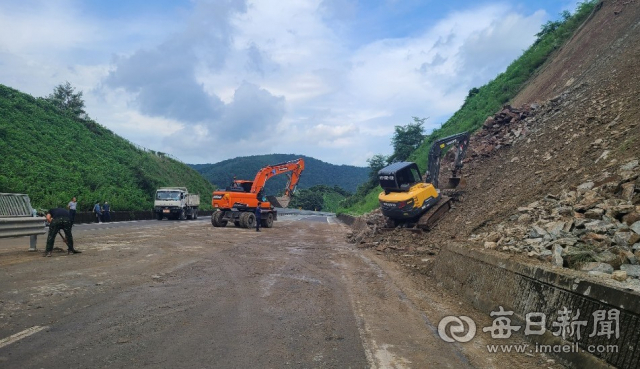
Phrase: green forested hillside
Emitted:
{"points": [[316, 172], [319, 198], [52, 156], [488, 99]]}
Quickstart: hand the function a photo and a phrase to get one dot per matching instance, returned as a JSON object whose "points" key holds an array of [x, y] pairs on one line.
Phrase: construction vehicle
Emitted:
{"points": [[238, 202], [410, 202], [176, 203]]}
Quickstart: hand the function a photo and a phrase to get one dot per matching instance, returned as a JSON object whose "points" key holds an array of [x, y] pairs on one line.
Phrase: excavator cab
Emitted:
{"points": [[399, 177], [240, 186], [405, 196]]}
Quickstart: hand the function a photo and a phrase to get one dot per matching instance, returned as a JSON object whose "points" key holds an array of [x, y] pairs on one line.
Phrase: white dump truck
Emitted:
{"points": [[176, 203]]}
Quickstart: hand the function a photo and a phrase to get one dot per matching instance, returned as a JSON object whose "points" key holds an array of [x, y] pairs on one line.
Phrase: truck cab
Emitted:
{"points": [[175, 203]]}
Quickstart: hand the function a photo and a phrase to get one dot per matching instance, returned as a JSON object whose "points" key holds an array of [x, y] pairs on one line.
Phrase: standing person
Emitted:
{"points": [[58, 219], [106, 212], [258, 216], [72, 206], [98, 211]]}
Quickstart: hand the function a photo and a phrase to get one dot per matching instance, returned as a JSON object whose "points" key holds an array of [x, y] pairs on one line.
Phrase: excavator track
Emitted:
{"points": [[426, 221], [429, 219]]}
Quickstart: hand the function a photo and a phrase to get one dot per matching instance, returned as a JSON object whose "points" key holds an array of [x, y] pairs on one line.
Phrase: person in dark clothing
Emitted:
{"points": [[97, 210], [106, 212], [258, 217], [58, 219]]}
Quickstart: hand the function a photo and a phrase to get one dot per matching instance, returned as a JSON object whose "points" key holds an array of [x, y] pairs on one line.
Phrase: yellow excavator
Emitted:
{"points": [[409, 202]]}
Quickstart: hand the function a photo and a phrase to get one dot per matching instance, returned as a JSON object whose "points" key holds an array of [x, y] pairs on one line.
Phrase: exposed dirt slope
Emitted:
{"points": [[576, 121], [561, 146], [598, 52]]}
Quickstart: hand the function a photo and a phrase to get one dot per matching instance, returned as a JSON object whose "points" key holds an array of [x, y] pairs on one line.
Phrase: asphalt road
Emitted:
{"points": [[182, 294]]}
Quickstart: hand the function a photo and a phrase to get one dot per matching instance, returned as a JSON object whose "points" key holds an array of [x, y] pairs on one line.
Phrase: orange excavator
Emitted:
{"points": [[238, 202]]}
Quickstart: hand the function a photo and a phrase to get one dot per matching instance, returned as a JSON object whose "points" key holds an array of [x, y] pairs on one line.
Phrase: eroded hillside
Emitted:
{"points": [[576, 122]]}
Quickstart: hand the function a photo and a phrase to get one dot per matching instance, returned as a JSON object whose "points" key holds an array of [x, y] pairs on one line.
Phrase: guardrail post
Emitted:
{"points": [[18, 218], [32, 243]]}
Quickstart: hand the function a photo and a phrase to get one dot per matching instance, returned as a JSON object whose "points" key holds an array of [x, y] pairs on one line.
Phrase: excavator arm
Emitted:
{"points": [[295, 167], [460, 142]]}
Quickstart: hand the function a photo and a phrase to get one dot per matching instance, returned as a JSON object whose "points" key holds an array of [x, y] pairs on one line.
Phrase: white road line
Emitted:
{"points": [[18, 336]]}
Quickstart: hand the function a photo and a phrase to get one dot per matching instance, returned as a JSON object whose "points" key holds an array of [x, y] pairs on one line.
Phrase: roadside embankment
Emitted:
{"points": [[596, 315]]}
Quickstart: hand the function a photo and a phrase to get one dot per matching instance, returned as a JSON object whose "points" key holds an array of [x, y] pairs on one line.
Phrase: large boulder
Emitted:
{"points": [[595, 213], [618, 211], [630, 166], [597, 267], [589, 200], [619, 275], [555, 228], [626, 238], [599, 226], [632, 270], [631, 218], [628, 190], [615, 260], [537, 232], [585, 187]]}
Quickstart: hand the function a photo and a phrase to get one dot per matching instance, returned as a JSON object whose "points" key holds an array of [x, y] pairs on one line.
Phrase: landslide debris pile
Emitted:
{"points": [[501, 130], [591, 226], [529, 169], [594, 227]]}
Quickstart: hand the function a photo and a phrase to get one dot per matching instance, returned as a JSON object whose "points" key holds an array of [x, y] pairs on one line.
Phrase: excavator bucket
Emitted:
{"points": [[279, 201], [454, 182]]}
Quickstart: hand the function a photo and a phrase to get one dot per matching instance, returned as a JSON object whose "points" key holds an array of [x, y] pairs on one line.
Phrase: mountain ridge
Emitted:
{"points": [[316, 172]]}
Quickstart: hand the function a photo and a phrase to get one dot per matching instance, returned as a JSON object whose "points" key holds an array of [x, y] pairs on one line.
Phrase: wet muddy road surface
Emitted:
{"points": [[182, 294]]}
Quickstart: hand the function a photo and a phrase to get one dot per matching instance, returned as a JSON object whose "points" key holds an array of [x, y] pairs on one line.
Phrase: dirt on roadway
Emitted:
{"points": [[177, 294]]}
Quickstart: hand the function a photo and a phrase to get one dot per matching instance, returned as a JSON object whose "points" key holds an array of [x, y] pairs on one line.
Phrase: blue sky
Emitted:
{"points": [[210, 80]]}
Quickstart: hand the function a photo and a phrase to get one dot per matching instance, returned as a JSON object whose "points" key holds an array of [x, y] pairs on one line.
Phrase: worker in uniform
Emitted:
{"points": [[72, 206], [258, 217], [97, 210], [59, 219], [106, 212]]}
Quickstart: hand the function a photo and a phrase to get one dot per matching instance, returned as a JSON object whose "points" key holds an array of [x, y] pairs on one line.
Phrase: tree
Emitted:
{"points": [[307, 200], [64, 98], [406, 139], [473, 92], [376, 163]]}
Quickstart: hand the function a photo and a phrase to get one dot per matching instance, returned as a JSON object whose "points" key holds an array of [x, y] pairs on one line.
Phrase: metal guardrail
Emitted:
{"points": [[17, 218], [18, 227], [15, 205]]}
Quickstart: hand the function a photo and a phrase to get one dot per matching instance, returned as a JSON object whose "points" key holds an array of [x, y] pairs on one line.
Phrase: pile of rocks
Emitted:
{"points": [[594, 227], [366, 226], [502, 130]]}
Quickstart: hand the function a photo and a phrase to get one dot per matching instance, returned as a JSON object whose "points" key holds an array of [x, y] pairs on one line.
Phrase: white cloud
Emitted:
{"points": [[234, 78], [42, 26]]}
